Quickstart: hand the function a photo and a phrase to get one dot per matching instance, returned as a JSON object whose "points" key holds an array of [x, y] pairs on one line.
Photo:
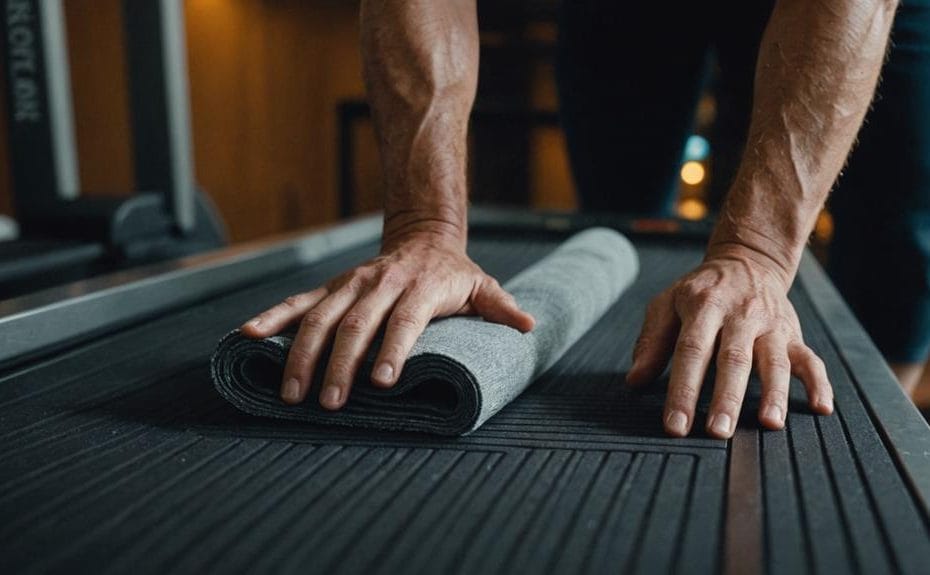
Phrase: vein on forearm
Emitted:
{"points": [[817, 69], [421, 66]]}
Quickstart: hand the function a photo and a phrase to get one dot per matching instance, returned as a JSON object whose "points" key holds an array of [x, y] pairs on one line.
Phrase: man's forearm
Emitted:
{"points": [[818, 65], [421, 71]]}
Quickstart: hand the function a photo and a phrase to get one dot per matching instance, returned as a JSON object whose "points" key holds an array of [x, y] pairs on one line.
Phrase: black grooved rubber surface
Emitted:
{"points": [[118, 455]]}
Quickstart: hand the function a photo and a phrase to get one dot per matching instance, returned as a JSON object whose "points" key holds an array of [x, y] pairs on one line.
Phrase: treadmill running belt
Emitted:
{"points": [[118, 455]]}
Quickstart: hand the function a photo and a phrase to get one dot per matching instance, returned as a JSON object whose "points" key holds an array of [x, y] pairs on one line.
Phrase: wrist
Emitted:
{"points": [[755, 240], [438, 227], [755, 258], [765, 220]]}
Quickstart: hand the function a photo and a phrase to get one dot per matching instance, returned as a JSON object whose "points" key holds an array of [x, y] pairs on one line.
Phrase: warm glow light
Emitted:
{"points": [[692, 173], [692, 209], [824, 228]]}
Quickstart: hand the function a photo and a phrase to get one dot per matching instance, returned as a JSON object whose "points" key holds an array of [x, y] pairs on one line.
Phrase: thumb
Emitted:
{"points": [[494, 304]]}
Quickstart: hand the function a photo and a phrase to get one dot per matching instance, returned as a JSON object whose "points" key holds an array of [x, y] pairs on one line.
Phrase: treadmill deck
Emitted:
{"points": [[117, 454]]}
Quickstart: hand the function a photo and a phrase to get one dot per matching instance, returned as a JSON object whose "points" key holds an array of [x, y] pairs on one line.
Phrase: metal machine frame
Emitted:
{"points": [[166, 207]]}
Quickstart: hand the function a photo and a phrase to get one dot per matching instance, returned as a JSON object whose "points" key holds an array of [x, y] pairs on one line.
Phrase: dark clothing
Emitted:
{"points": [[630, 75]]}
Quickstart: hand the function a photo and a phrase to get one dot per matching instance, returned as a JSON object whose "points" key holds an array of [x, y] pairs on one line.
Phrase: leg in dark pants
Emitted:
{"points": [[630, 75], [629, 78], [880, 256]]}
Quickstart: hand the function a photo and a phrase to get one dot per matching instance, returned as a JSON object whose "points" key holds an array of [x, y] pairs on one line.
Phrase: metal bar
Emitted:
{"points": [[39, 323], [177, 96], [60, 103], [160, 104]]}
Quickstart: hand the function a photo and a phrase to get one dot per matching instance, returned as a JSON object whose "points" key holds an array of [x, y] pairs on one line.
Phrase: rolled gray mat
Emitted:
{"points": [[462, 370]]}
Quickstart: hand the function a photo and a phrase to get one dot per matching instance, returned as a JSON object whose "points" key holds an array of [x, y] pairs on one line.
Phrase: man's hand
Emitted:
{"points": [[739, 298], [415, 279]]}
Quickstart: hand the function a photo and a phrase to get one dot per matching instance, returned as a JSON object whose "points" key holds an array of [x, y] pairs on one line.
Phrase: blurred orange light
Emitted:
{"points": [[823, 230], [692, 209], [692, 173]]}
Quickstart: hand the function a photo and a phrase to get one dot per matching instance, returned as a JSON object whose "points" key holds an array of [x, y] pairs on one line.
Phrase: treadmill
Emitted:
{"points": [[60, 235], [117, 454]]}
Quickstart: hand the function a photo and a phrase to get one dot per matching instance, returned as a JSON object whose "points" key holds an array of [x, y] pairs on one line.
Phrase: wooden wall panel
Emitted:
{"points": [[265, 81], [101, 95], [226, 53], [266, 77]]}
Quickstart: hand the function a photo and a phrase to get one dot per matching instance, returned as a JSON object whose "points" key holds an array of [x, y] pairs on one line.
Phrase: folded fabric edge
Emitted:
{"points": [[416, 403]]}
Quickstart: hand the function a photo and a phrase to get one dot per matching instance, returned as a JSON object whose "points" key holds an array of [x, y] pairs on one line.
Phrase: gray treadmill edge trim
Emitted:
{"points": [[32, 324], [894, 415]]}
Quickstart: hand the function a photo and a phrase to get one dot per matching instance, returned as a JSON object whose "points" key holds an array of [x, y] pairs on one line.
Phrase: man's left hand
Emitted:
{"points": [[737, 298]]}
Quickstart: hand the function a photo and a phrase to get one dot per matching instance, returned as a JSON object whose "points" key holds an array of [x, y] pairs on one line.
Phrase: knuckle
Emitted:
{"points": [[357, 279], [354, 323], [707, 299], [777, 396], [683, 395], [300, 356], [405, 320], [314, 320], [776, 362], [734, 357], [340, 369], [690, 347], [293, 301], [688, 290], [814, 363], [729, 400], [491, 283], [391, 277]]}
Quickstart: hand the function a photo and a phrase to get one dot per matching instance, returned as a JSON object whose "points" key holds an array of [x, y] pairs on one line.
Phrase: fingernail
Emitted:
{"points": [[720, 424], [384, 373], [773, 413], [827, 403], [331, 397], [291, 391], [677, 422]]}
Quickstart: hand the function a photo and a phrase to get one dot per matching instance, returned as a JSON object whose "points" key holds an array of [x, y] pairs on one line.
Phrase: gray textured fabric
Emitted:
{"points": [[462, 370]]}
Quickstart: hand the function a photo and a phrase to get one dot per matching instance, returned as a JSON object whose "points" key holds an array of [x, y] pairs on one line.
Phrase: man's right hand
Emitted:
{"points": [[417, 277]]}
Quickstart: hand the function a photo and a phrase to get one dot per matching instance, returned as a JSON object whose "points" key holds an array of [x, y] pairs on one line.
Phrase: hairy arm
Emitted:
{"points": [[421, 71], [818, 66]]}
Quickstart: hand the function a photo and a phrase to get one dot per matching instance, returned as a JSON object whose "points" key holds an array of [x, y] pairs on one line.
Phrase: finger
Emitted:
{"points": [[494, 304], [806, 366], [775, 369], [693, 351], [734, 366], [316, 330], [656, 341], [273, 320], [408, 320], [354, 335]]}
